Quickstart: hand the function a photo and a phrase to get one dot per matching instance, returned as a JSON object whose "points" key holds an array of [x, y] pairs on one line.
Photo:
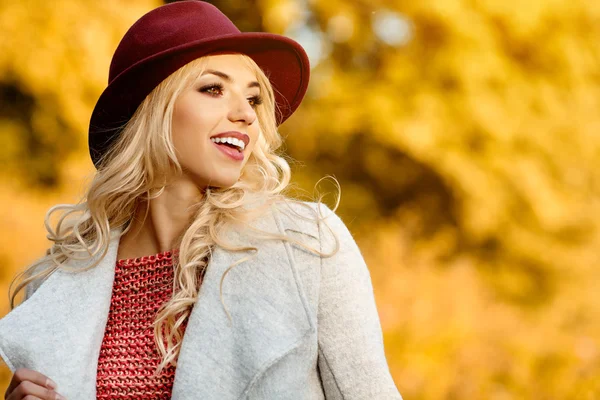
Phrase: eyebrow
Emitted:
{"points": [[227, 78]]}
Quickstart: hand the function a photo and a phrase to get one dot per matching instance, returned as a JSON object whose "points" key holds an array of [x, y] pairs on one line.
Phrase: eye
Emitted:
{"points": [[216, 89], [212, 89], [255, 101]]}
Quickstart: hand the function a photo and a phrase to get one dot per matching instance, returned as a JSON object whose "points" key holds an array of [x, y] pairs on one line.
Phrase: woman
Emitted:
{"points": [[131, 301]]}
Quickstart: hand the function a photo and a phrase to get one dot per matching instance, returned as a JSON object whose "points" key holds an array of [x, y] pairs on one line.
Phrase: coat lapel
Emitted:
{"points": [[270, 318], [59, 330]]}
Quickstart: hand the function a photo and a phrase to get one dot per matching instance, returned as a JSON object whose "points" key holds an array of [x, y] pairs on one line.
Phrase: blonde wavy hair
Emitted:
{"points": [[137, 168]]}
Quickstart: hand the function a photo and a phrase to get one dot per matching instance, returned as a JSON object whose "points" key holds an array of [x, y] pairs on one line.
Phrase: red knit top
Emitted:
{"points": [[128, 355]]}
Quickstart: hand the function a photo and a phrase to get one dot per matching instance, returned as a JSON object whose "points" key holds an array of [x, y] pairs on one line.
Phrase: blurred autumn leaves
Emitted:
{"points": [[465, 135]]}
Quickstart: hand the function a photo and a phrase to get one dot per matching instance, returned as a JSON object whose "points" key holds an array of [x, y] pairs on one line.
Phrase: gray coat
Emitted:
{"points": [[303, 327]]}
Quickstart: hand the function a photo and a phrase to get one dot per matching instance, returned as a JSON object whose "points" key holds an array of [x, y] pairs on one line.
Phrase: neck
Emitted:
{"points": [[169, 215]]}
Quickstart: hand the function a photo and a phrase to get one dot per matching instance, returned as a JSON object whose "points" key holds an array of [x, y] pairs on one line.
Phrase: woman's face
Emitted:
{"points": [[223, 100]]}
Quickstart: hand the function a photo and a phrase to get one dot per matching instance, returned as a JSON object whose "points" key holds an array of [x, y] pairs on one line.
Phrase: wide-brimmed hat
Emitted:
{"points": [[170, 36]]}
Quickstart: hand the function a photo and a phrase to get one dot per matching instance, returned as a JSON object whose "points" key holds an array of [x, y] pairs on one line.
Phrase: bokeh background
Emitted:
{"points": [[466, 138]]}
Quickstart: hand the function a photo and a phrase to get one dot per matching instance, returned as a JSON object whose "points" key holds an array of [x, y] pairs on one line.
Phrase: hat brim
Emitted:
{"points": [[282, 59]]}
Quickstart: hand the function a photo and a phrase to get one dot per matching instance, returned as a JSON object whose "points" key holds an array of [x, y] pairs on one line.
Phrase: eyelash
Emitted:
{"points": [[258, 100]]}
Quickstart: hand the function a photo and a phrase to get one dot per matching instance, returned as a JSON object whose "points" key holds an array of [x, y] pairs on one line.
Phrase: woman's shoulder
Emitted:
{"points": [[42, 264], [308, 217]]}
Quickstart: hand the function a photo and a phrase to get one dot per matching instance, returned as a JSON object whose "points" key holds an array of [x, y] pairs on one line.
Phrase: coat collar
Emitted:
{"points": [[58, 331]]}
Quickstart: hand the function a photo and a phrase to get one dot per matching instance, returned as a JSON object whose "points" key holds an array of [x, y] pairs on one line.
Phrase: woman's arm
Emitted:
{"points": [[352, 361]]}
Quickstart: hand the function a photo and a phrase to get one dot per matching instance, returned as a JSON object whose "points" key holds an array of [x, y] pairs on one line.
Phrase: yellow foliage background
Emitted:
{"points": [[468, 155]]}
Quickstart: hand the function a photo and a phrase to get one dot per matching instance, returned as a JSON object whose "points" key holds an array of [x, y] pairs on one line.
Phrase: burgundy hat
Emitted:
{"points": [[170, 36]]}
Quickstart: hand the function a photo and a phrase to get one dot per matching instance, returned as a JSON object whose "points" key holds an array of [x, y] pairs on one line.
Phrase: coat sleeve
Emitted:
{"points": [[351, 358]]}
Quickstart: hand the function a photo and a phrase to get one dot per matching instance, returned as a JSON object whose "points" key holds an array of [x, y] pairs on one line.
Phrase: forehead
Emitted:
{"points": [[231, 64]]}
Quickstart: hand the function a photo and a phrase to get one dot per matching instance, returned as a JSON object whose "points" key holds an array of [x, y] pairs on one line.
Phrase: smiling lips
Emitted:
{"points": [[234, 134], [229, 141], [230, 151], [232, 143]]}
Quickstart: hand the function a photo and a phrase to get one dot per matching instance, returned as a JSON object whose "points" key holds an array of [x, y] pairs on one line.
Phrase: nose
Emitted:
{"points": [[241, 110]]}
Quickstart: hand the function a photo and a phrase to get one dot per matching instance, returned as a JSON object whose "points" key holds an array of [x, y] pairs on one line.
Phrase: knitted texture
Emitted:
{"points": [[128, 355]]}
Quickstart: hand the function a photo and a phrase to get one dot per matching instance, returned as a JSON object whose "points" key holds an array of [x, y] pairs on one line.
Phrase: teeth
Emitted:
{"points": [[236, 142]]}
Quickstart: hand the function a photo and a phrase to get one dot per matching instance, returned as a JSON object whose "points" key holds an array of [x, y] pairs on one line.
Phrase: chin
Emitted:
{"points": [[206, 179], [222, 183]]}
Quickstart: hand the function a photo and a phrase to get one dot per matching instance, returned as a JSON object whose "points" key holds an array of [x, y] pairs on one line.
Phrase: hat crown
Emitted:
{"points": [[164, 28]]}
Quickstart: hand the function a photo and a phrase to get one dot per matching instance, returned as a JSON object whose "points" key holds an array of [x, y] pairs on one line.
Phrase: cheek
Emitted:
{"points": [[190, 128], [184, 137], [194, 112], [186, 118]]}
